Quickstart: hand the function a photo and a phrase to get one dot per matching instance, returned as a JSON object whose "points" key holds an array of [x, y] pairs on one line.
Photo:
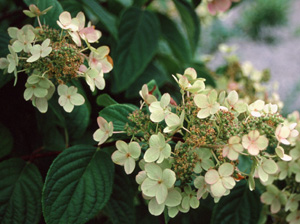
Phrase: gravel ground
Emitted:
{"points": [[282, 58]]}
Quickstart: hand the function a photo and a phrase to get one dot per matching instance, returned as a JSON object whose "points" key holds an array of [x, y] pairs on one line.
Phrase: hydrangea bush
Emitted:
{"points": [[196, 144]]}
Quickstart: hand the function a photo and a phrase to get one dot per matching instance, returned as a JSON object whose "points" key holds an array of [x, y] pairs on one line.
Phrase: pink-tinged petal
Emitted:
{"points": [[275, 206], [246, 141], [253, 135], [212, 176], [101, 122], [82, 68], [223, 5], [294, 133], [217, 189], [212, 8], [122, 146], [76, 38], [262, 143], [118, 158], [255, 114], [253, 150], [81, 20], [285, 141], [292, 126], [225, 151], [64, 19], [129, 165], [63, 100]]}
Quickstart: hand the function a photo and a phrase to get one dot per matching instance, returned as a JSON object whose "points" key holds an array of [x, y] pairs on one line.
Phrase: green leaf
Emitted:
{"points": [[191, 22], [118, 114], [120, 206], [138, 41], [77, 121], [6, 142], [153, 72], [245, 164], [240, 206], [108, 20], [175, 39], [51, 16], [78, 185], [105, 100], [20, 192], [203, 72]]}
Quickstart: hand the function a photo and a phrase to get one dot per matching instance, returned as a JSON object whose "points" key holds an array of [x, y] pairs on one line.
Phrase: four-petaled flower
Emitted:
{"points": [[24, 40], [160, 109], [274, 197], [126, 155], [256, 108], [173, 122], [38, 51], [266, 168], [100, 56], [146, 96], [69, 97], [159, 149], [202, 186], [207, 103], [189, 198], [234, 103], [254, 143], [220, 181], [203, 160], [233, 148], [292, 203], [104, 131], [293, 217], [93, 77], [283, 132], [158, 182]]}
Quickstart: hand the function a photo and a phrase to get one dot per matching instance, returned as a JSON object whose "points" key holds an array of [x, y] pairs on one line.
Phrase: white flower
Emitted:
{"points": [[256, 108], [69, 97], [207, 103], [160, 109], [159, 149], [104, 131], [38, 51], [146, 96]]}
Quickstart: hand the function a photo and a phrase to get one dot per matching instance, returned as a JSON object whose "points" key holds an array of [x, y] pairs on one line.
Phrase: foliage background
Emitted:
{"points": [[148, 40]]}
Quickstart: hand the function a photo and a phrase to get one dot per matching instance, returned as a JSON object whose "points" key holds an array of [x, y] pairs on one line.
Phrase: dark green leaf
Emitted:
{"points": [[245, 164], [170, 64], [20, 192], [118, 114], [138, 40], [240, 206], [190, 21], [77, 121], [153, 72], [175, 39], [78, 185], [120, 207], [6, 142], [105, 100], [108, 20], [72, 6], [140, 3], [51, 16]]}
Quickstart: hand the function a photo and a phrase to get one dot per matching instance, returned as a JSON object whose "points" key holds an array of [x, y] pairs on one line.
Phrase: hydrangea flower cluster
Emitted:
{"points": [[189, 150], [52, 57]]}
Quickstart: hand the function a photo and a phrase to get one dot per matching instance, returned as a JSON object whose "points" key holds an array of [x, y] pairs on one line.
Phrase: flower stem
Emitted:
{"points": [[38, 19]]}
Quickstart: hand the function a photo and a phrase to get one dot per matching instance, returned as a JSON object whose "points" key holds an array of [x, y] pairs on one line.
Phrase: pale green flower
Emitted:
{"points": [[189, 198], [280, 153], [254, 143], [41, 103], [256, 108], [39, 51], [159, 149], [233, 148], [69, 97], [35, 11], [148, 98], [292, 203], [3, 63], [293, 217], [283, 132], [266, 168], [207, 103], [160, 109], [13, 61], [174, 122], [126, 155], [284, 170], [24, 40], [104, 131], [234, 104], [158, 182], [93, 77], [274, 197], [270, 108], [173, 199], [202, 186], [203, 160], [37, 86], [295, 168], [220, 181]]}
